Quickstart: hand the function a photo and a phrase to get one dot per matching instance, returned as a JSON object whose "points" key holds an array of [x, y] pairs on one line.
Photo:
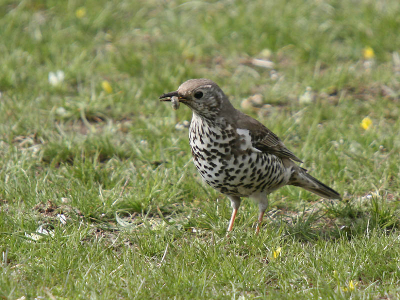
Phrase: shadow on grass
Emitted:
{"points": [[344, 219], [327, 221]]}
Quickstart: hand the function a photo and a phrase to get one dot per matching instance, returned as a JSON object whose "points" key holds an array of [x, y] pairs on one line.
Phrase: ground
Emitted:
{"points": [[98, 195]]}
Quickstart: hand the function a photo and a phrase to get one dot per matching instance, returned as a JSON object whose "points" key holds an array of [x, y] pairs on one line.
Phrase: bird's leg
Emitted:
{"points": [[260, 219], [262, 206], [235, 202], [234, 212]]}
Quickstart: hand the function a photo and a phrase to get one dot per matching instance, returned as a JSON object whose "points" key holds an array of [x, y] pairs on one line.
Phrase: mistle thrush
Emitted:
{"points": [[236, 154]]}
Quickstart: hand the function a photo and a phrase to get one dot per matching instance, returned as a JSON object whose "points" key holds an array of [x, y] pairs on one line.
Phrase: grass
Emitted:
{"points": [[98, 195]]}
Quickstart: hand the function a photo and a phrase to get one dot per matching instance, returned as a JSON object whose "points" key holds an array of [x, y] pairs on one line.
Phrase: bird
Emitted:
{"points": [[236, 154]]}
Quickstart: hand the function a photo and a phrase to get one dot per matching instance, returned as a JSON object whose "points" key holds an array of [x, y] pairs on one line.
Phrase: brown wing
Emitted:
{"points": [[270, 143], [264, 139]]}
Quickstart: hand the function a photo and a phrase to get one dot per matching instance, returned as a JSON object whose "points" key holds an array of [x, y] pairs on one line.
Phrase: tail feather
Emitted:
{"points": [[306, 181]]}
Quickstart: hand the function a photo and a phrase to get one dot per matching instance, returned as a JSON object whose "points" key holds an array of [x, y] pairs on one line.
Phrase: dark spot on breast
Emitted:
{"points": [[248, 186], [258, 186], [260, 177], [206, 152]]}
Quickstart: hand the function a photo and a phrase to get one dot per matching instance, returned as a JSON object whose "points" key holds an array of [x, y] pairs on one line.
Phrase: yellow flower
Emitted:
{"points": [[366, 123], [80, 12], [277, 252], [106, 86], [350, 287], [368, 53]]}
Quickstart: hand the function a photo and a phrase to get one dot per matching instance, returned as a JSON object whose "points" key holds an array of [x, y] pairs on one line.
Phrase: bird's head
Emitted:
{"points": [[203, 96]]}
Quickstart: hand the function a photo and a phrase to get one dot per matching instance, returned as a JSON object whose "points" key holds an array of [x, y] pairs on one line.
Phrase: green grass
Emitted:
{"points": [[109, 179]]}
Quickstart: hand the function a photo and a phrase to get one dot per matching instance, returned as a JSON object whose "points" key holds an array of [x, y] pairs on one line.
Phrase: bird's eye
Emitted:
{"points": [[198, 95]]}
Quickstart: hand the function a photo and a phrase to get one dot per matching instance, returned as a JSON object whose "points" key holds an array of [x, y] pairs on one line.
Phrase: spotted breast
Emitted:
{"points": [[227, 161]]}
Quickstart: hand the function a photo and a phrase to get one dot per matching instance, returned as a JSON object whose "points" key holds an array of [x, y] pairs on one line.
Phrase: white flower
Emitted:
{"points": [[307, 97], [62, 218], [40, 232], [61, 111], [56, 78]]}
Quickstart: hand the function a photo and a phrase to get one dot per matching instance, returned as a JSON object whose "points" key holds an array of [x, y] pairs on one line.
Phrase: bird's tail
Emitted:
{"points": [[302, 179]]}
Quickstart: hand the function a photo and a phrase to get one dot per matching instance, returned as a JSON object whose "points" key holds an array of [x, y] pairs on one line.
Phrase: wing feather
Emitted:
{"points": [[264, 139]]}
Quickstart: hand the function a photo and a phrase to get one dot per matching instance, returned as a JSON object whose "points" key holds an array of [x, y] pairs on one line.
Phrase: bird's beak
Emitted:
{"points": [[168, 96]]}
